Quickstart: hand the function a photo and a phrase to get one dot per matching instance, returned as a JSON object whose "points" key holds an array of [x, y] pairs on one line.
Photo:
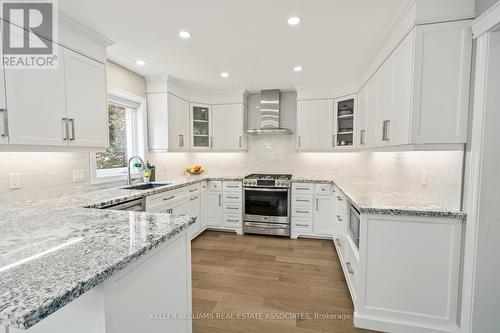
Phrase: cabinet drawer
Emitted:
{"points": [[352, 268], [232, 219], [304, 225], [302, 211], [215, 185], [165, 197], [303, 200], [232, 186], [232, 207], [323, 189], [192, 189], [204, 185], [302, 188], [233, 197]]}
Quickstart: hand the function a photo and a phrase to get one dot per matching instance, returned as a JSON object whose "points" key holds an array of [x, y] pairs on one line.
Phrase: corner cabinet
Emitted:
{"points": [[201, 126], [315, 125], [420, 94]]}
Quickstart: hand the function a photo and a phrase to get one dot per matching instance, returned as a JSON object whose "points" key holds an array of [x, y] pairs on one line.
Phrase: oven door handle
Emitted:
{"points": [[266, 189], [266, 226]]}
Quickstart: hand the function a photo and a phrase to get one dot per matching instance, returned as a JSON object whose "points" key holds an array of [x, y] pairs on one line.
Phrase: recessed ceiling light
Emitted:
{"points": [[140, 62], [224, 74], [184, 34], [294, 20], [297, 69]]}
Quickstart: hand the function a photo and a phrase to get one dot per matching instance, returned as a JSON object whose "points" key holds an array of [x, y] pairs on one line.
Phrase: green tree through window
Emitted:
{"points": [[115, 155]]}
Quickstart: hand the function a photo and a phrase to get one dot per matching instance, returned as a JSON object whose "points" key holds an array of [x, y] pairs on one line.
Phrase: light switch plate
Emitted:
{"points": [[78, 175], [14, 181]]}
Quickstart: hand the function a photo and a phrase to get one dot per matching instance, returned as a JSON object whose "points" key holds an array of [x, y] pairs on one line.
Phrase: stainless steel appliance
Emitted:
{"points": [[136, 205], [267, 204], [354, 225]]}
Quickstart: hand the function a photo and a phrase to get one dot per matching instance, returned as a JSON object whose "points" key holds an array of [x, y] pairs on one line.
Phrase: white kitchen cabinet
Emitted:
{"points": [[344, 122], [201, 126], [315, 125], [203, 205], [214, 209], [383, 103], [4, 126], [168, 122], [85, 101], [360, 132], [37, 105], [324, 214], [193, 208], [228, 126]]}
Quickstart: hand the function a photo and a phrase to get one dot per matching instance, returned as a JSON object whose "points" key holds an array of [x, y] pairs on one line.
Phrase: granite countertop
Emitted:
{"points": [[374, 197], [52, 251]]}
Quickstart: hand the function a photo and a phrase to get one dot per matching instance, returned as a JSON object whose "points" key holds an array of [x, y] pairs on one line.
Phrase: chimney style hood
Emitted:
{"points": [[270, 115]]}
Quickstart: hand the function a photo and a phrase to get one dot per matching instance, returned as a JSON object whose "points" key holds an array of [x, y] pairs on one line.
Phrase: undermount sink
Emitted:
{"points": [[147, 186]]}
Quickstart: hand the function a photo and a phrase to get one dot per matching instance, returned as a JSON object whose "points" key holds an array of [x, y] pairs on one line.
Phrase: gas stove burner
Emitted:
{"points": [[267, 180]]}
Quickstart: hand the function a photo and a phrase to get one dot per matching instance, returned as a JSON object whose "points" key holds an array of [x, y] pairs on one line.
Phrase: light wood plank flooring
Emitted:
{"points": [[275, 284]]}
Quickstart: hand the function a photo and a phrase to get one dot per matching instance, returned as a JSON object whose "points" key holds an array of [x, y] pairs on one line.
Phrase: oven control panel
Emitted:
{"points": [[266, 182]]}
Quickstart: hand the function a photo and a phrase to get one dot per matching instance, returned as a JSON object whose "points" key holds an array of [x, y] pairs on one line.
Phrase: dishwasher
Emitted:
{"points": [[136, 205]]}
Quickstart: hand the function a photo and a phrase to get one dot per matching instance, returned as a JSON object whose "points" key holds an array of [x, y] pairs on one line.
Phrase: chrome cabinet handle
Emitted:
{"points": [[317, 204], [233, 208], [66, 129], [169, 198], [339, 198], [181, 140], [193, 189], [302, 211], [302, 188], [339, 218], [302, 200], [232, 197], [211, 142], [232, 186], [362, 137], [5, 129], [240, 142], [299, 141], [301, 225], [220, 197], [349, 267], [230, 220], [333, 140], [339, 243], [73, 135], [194, 198], [386, 130]]}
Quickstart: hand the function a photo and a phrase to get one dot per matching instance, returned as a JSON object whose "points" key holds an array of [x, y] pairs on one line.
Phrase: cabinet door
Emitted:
{"points": [[383, 104], [203, 209], [345, 110], [402, 84], [86, 101], [201, 127], [178, 124], [371, 110], [214, 209], [193, 209], [227, 122], [360, 133], [315, 125], [37, 105], [324, 215]]}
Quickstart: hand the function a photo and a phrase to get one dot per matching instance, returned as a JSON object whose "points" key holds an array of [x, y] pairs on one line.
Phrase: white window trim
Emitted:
{"points": [[139, 143]]}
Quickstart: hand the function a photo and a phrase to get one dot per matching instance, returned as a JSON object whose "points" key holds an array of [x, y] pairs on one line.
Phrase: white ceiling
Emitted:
{"points": [[249, 39]]}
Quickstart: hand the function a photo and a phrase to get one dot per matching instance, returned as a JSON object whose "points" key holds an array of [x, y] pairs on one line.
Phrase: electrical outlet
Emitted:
{"points": [[14, 181], [78, 175]]}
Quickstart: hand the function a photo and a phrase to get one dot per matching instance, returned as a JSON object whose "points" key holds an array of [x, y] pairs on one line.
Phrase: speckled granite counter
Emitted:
{"points": [[375, 197], [52, 251]]}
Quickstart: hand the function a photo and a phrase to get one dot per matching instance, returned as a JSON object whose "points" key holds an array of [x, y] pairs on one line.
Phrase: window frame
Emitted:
{"points": [[136, 137]]}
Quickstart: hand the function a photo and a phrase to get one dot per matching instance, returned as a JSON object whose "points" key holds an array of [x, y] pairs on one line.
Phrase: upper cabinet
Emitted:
{"points": [[61, 108], [201, 127], [168, 122], [315, 130], [229, 125], [420, 94], [344, 121]]}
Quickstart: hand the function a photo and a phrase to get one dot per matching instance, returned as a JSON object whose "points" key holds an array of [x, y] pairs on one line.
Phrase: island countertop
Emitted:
{"points": [[52, 251]]}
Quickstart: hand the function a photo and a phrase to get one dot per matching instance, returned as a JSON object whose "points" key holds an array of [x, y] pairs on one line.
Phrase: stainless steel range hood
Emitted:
{"points": [[270, 115]]}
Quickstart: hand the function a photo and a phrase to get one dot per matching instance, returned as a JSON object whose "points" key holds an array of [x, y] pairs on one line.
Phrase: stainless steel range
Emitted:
{"points": [[267, 204]]}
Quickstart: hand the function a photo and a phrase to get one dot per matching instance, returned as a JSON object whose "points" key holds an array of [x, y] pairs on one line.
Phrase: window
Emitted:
{"points": [[126, 139]]}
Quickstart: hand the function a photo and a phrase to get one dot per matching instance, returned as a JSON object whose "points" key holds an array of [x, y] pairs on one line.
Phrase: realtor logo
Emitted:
{"points": [[28, 29]]}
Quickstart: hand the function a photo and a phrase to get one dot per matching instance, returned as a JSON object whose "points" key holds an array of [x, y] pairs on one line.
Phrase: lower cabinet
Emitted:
{"points": [[225, 205], [214, 209], [313, 210], [193, 208]]}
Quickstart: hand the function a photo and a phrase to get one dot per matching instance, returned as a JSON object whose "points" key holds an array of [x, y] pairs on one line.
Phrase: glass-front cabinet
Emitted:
{"points": [[201, 126], [344, 122]]}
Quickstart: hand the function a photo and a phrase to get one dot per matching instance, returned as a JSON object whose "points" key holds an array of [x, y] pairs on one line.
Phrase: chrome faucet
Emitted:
{"points": [[128, 167]]}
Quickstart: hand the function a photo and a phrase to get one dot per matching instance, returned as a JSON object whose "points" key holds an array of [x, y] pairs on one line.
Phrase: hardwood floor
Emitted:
{"points": [[261, 284]]}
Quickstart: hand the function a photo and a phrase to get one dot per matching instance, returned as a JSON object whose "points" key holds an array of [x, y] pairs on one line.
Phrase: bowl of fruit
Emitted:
{"points": [[195, 170]]}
